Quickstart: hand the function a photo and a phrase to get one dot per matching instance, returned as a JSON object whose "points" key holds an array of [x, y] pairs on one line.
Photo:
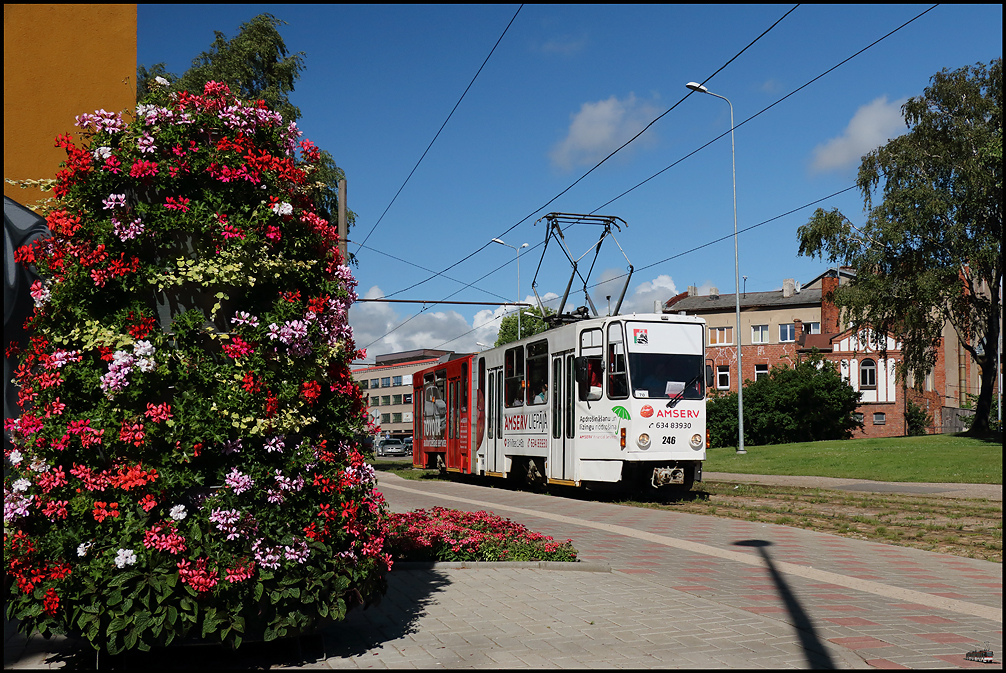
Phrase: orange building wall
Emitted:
{"points": [[60, 61]]}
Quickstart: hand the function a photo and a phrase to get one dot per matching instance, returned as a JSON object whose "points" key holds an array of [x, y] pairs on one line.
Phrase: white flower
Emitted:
{"points": [[21, 485], [143, 348], [178, 512], [145, 365], [40, 466], [125, 557], [83, 548], [16, 457], [102, 152], [161, 81], [282, 208]]}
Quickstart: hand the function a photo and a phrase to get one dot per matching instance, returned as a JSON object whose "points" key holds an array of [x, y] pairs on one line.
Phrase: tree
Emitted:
{"points": [[255, 64], [529, 325], [929, 253], [807, 403]]}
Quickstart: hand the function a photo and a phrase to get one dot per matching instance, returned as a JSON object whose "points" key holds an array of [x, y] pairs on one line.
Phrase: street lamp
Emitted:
{"points": [[517, 250], [695, 86]]}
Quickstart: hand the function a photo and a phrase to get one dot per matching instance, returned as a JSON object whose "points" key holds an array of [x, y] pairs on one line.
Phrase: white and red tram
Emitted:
{"points": [[610, 400]]}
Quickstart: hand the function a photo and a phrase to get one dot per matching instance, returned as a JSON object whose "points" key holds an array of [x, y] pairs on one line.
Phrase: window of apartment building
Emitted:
{"points": [[407, 398], [386, 382], [812, 328], [396, 399], [723, 377], [761, 371], [375, 383], [868, 374], [385, 400], [787, 332], [396, 380], [364, 384], [879, 418], [385, 418], [396, 418], [759, 334], [721, 336], [375, 401]]}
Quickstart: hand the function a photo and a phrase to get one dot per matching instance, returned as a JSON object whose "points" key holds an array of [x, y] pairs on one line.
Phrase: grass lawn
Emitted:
{"points": [[929, 458]]}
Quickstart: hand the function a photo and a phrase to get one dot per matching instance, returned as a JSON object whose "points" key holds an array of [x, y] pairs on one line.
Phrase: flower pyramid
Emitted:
{"points": [[185, 465]]}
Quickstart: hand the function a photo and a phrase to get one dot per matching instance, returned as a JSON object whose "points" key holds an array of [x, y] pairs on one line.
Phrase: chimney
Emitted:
{"points": [[829, 312], [788, 287], [714, 293], [798, 330], [693, 291]]}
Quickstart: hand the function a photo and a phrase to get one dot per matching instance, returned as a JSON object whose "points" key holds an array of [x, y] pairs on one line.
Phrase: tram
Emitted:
{"points": [[615, 401]]}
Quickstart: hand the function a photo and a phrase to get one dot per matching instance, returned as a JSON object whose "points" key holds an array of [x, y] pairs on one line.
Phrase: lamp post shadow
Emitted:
{"points": [[813, 649]]}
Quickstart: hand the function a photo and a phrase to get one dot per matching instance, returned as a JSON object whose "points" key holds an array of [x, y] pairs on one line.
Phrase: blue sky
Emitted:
{"points": [[566, 86]]}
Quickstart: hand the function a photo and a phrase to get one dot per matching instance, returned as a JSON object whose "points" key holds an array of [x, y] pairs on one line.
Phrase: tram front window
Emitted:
{"points": [[663, 375]]}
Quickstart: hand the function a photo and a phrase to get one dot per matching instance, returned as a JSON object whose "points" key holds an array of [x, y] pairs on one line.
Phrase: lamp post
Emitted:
{"points": [[695, 86], [517, 250]]}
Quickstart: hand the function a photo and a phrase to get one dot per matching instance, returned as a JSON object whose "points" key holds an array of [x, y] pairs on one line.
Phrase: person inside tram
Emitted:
{"points": [[542, 394]]}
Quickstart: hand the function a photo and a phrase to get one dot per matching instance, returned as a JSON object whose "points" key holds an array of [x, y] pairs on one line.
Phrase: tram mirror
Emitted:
{"points": [[580, 365], [709, 376]]}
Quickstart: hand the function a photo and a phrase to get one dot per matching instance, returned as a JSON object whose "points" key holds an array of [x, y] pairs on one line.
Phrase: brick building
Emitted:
{"points": [[784, 326]]}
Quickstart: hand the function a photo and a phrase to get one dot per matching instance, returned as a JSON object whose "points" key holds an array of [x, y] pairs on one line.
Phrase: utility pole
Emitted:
{"points": [[343, 227]]}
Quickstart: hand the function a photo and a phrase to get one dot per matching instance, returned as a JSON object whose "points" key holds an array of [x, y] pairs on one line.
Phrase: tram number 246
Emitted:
{"points": [[668, 440]]}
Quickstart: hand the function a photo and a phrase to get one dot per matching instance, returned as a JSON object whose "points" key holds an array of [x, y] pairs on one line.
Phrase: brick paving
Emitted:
{"points": [[683, 591]]}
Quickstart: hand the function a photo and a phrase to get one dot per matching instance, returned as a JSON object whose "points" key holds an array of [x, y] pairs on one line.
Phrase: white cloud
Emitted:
{"points": [[871, 126], [600, 128], [564, 45]]}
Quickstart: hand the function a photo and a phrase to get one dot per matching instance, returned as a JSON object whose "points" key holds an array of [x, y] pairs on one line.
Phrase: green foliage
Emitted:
{"points": [[255, 64], [928, 458], [917, 421], [529, 325], [929, 253], [807, 403]]}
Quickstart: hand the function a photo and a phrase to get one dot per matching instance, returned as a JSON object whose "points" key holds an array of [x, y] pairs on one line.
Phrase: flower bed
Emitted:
{"points": [[452, 535], [185, 463]]}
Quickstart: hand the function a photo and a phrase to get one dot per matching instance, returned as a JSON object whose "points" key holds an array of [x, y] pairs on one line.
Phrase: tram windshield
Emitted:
{"points": [[665, 360]]}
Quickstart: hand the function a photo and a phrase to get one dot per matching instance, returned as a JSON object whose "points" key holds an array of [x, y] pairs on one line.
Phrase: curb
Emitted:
{"points": [[502, 565]]}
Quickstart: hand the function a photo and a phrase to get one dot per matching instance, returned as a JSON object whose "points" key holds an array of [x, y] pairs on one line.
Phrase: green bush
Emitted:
{"points": [[917, 421], [807, 403]]}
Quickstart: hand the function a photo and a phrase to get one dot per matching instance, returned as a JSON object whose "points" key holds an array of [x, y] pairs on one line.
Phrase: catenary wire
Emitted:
{"points": [[441, 129], [875, 42]]}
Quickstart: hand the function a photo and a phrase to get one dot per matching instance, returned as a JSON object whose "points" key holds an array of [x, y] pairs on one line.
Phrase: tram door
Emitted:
{"points": [[453, 424], [560, 461], [494, 423]]}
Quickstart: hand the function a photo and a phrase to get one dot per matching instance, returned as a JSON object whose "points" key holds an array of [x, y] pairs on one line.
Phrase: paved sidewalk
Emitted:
{"points": [[683, 591]]}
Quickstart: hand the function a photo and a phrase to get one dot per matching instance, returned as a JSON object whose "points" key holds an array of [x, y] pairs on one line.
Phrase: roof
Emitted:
{"points": [[724, 302]]}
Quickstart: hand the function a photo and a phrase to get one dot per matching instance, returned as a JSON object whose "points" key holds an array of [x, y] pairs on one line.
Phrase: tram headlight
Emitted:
{"points": [[643, 441], [696, 441]]}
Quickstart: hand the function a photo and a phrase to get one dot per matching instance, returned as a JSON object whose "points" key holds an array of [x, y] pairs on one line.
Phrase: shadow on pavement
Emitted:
{"points": [[813, 649], [364, 629]]}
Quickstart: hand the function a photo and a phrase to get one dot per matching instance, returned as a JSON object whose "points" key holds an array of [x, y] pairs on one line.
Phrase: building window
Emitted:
{"points": [[723, 377], [385, 418], [761, 371], [385, 400], [375, 401], [812, 328], [787, 332], [407, 398], [858, 417], [396, 399], [375, 383], [759, 334], [880, 418], [721, 336], [396, 380], [364, 384], [396, 418], [386, 382], [868, 374]]}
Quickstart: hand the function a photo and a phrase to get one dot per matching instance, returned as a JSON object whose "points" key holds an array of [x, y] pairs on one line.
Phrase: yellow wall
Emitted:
{"points": [[60, 61]]}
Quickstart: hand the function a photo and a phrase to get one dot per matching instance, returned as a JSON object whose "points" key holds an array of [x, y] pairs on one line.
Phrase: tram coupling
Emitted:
{"points": [[665, 476]]}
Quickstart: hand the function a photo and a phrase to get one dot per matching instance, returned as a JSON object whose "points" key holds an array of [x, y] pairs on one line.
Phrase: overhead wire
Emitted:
{"points": [[808, 83], [367, 237]]}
